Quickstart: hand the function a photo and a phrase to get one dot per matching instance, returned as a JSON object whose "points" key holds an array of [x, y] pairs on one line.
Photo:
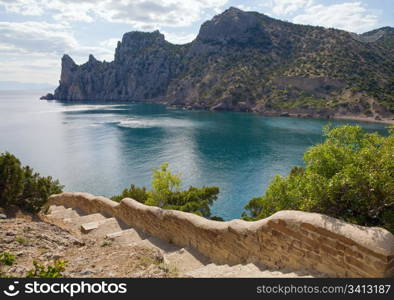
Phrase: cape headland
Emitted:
{"points": [[249, 62]]}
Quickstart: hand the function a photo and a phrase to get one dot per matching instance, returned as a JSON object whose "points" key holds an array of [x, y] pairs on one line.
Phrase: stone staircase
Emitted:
{"points": [[188, 262]]}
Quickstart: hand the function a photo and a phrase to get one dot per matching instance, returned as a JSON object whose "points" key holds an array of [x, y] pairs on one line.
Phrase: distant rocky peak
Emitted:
{"points": [[233, 26], [92, 59], [232, 11], [232, 14], [68, 62], [144, 38], [68, 67], [135, 42]]}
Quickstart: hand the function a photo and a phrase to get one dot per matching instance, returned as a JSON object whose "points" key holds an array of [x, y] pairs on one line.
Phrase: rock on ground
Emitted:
{"points": [[32, 240]]}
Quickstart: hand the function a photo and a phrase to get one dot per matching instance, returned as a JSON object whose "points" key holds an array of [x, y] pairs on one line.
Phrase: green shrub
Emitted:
{"points": [[11, 179], [164, 186], [21, 240], [136, 193], [166, 193], [7, 259], [349, 176], [22, 187], [51, 271]]}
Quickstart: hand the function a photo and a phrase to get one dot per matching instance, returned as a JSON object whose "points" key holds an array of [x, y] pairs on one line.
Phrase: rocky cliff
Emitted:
{"points": [[246, 61]]}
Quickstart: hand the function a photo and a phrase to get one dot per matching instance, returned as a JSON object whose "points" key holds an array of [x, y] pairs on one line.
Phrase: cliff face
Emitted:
{"points": [[143, 67], [246, 61]]}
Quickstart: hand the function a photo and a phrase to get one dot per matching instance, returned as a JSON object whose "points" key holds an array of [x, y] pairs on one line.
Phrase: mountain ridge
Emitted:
{"points": [[246, 61]]}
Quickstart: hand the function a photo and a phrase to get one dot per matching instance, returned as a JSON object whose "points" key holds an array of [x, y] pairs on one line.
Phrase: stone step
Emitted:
{"points": [[78, 221], [127, 236], [241, 271], [224, 271], [56, 208], [64, 213], [204, 272], [186, 260], [158, 244], [100, 229]]}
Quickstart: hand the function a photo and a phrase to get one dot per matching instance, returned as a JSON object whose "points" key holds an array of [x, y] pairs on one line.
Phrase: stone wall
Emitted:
{"points": [[288, 239]]}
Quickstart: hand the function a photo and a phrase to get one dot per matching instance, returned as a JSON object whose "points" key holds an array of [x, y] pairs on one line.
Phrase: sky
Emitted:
{"points": [[34, 34]]}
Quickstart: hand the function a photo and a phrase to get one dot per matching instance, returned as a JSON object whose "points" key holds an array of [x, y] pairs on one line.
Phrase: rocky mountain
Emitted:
{"points": [[246, 61]]}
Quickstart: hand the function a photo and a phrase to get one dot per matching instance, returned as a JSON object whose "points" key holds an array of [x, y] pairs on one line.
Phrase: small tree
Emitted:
{"points": [[36, 190], [11, 179], [164, 185], [166, 193], [22, 187], [134, 192]]}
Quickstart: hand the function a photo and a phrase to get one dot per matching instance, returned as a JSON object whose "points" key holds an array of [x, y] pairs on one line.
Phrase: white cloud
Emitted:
{"points": [[48, 38], [285, 7], [31, 51], [24, 7], [281, 8], [350, 16], [142, 14], [179, 38], [30, 68], [37, 36], [245, 7], [110, 43]]}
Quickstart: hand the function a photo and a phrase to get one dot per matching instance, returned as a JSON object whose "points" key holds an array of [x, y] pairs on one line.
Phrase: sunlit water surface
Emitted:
{"points": [[101, 148]]}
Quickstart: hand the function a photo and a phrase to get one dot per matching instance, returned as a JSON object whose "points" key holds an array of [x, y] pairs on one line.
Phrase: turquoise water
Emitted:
{"points": [[102, 148]]}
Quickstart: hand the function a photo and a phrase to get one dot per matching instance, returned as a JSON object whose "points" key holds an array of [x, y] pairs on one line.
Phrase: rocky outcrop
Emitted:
{"points": [[243, 61], [288, 239], [48, 96], [143, 67]]}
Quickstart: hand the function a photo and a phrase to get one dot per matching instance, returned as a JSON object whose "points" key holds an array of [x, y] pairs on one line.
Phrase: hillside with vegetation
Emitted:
{"points": [[246, 61], [349, 176]]}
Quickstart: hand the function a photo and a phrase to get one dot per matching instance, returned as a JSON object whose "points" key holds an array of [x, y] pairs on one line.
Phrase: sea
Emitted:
{"points": [[104, 147]]}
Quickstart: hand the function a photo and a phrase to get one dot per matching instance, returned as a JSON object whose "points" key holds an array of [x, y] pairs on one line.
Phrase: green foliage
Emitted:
{"points": [[215, 218], [136, 193], [21, 240], [349, 176], [50, 271], [7, 259], [11, 179], [22, 187], [166, 193], [195, 200], [164, 186]]}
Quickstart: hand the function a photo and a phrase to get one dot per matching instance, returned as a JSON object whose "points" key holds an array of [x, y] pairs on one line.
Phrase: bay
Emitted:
{"points": [[102, 148]]}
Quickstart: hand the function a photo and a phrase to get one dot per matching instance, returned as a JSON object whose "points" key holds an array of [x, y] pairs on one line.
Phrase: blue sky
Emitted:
{"points": [[34, 34]]}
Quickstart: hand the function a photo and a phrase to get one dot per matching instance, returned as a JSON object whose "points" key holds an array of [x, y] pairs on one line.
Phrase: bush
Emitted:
{"points": [[136, 193], [41, 271], [7, 259], [166, 193], [11, 179], [22, 187], [350, 176]]}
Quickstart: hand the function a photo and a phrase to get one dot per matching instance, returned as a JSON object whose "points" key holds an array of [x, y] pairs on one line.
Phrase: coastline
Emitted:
{"points": [[287, 114], [331, 117], [364, 119]]}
